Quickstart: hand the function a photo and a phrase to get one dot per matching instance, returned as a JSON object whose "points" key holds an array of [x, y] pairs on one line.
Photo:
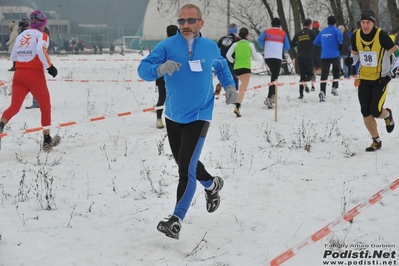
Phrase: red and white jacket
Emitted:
{"points": [[30, 50], [274, 40]]}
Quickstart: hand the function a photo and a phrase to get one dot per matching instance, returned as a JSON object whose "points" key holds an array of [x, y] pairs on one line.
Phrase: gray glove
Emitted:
{"points": [[231, 94], [168, 67]]}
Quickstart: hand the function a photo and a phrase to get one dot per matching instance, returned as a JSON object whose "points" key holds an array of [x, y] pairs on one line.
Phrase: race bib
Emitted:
{"points": [[195, 65], [368, 59]]}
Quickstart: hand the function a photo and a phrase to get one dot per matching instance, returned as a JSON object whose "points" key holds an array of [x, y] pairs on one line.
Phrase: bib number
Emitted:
{"points": [[368, 59]]}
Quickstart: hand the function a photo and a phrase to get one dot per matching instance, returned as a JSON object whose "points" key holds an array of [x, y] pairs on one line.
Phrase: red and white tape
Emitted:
{"points": [[97, 80], [280, 84], [3, 82], [326, 230], [95, 59], [71, 123]]}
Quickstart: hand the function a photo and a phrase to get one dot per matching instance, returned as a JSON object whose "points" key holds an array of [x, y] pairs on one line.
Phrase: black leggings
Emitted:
{"points": [[336, 66], [160, 83], [305, 66], [231, 67], [274, 65], [186, 142]]}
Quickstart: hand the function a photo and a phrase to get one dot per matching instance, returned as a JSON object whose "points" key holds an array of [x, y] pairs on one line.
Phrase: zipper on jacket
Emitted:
{"points": [[190, 55]]}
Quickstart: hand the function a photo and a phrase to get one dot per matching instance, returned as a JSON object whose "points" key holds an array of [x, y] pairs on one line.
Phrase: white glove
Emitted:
{"points": [[168, 67], [231, 94], [394, 66]]}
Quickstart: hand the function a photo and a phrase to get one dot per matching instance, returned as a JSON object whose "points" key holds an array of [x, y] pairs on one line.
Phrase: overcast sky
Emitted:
{"points": [[125, 13]]}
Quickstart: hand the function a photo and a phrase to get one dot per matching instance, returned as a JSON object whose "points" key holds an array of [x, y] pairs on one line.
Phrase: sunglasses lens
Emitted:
{"points": [[191, 21], [38, 17]]}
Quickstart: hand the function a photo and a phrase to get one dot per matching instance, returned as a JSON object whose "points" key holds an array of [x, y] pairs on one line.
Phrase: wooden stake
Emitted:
{"points": [[276, 101]]}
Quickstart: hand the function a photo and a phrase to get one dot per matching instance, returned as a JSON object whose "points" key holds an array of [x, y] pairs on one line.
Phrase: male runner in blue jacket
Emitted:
{"points": [[188, 59]]}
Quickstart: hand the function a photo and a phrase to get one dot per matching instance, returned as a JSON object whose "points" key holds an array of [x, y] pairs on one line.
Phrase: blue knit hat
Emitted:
{"points": [[233, 28]]}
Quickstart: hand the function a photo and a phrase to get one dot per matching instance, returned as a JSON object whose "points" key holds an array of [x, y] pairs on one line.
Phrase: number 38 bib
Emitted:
{"points": [[368, 59]]}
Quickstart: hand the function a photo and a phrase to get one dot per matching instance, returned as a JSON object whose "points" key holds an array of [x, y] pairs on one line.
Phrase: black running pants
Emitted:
{"points": [[186, 142]]}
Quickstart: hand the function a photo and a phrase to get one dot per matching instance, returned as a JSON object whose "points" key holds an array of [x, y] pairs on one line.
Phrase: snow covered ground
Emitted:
{"points": [[96, 198]]}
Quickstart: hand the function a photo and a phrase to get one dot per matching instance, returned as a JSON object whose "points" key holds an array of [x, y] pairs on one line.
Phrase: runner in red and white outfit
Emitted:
{"points": [[274, 40], [30, 54]]}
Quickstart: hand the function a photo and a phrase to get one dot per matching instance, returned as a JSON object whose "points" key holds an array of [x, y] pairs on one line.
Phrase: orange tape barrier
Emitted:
{"points": [[280, 84], [71, 123], [94, 59], [97, 59], [129, 113], [326, 230], [97, 80], [3, 82], [288, 83]]}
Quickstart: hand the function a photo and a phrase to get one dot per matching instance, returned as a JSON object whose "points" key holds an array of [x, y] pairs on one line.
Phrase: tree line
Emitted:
{"points": [[256, 15]]}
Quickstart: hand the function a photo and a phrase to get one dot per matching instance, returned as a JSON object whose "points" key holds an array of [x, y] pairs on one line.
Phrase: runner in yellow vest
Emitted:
{"points": [[372, 46]]}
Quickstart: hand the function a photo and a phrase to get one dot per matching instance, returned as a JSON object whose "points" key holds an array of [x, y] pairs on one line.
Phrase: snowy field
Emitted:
{"points": [[96, 198]]}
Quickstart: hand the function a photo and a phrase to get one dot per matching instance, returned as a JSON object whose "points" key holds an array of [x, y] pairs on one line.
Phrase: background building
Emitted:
{"points": [[155, 22], [90, 20], [105, 22]]}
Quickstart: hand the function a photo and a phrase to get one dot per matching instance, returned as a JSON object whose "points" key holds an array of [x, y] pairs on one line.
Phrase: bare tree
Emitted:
{"points": [[369, 4], [169, 6], [393, 13], [250, 14], [281, 15], [268, 8], [298, 13], [350, 22], [257, 14]]}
